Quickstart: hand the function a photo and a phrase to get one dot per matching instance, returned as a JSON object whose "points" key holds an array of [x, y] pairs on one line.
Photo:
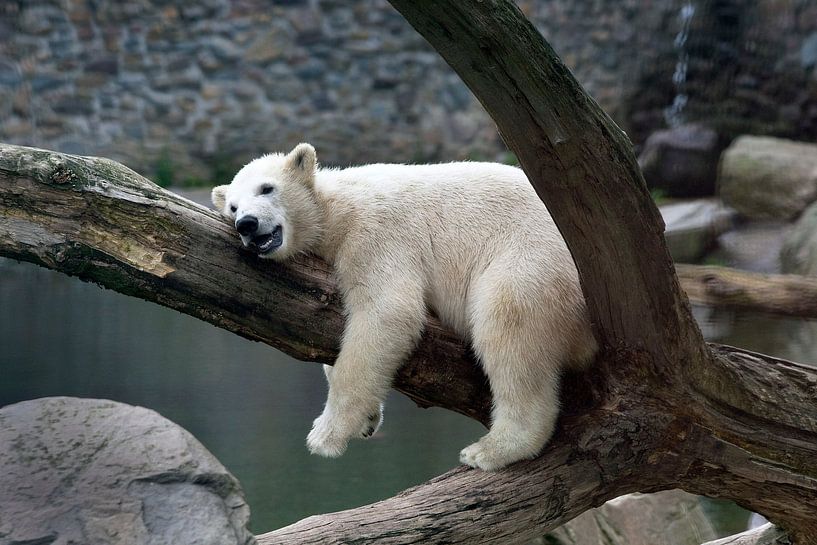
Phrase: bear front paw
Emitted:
{"points": [[332, 430], [373, 423], [327, 438]]}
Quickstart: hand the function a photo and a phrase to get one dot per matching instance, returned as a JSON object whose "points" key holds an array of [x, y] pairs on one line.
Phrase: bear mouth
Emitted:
{"points": [[268, 242]]}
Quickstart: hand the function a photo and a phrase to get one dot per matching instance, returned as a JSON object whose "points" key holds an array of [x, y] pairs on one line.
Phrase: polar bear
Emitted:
{"points": [[468, 241]]}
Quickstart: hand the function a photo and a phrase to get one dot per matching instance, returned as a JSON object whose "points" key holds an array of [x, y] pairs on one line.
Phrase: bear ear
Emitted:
{"points": [[302, 160], [219, 197]]}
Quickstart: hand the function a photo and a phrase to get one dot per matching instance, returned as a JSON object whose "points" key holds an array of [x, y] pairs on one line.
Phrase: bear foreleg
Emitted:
{"points": [[380, 333]]}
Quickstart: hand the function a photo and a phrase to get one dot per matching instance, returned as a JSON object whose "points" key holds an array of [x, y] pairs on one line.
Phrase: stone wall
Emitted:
{"points": [[191, 90]]}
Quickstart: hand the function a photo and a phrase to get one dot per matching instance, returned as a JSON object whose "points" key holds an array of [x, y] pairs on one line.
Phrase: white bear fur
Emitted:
{"points": [[468, 241]]}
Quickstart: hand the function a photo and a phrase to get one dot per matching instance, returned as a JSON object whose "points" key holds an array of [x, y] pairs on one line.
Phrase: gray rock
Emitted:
{"points": [[46, 82], [9, 74], [799, 252], [753, 246], [312, 69], [671, 517], [74, 105], [692, 227], [222, 48], [808, 51], [682, 161], [99, 472], [765, 534], [40, 20], [267, 47], [768, 178], [107, 64]]}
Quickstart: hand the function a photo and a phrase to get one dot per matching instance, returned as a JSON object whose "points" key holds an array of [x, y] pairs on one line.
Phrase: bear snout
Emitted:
{"points": [[247, 225]]}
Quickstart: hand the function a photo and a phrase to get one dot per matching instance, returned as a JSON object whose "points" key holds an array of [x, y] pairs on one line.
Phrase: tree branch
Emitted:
{"points": [[621, 432], [784, 294], [100, 221]]}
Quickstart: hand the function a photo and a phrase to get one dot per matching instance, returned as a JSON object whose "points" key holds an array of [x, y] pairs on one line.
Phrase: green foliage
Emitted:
{"points": [[510, 159], [164, 174], [659, 196], [476, 155], [194, 181], [221, 170], [715, 260]]}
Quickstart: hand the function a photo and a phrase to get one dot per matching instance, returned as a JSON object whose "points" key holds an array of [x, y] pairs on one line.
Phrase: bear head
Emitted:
{"points": [[272, 203]]}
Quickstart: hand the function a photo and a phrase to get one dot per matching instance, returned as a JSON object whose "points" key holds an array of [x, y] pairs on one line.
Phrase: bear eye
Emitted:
{"points": [[267, 189], [233, 209]]}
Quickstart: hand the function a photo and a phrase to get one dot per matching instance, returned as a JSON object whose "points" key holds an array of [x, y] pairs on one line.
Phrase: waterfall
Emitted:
{"points": [[672, 113]]}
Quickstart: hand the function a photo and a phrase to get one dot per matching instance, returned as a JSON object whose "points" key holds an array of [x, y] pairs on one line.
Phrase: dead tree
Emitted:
{"points": [[660, 409]]}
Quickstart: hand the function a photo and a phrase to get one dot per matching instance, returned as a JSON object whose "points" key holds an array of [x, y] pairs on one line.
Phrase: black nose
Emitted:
{"points": [[247, 225]]}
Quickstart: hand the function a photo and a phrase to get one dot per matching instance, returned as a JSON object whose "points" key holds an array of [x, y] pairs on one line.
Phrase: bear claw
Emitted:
{"points": [[373, 423]]}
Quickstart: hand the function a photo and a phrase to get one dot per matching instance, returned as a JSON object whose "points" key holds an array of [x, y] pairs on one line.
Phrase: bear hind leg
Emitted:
{"points": [[523, 367]]}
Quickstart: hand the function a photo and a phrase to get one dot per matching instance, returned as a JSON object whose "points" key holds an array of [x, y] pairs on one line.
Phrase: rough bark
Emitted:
{"points": [[784, 294], [659, 410], [747, 430]]}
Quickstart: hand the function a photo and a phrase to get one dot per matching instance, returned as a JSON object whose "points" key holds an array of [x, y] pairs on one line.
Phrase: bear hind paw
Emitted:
{"points": [[493, 453]]}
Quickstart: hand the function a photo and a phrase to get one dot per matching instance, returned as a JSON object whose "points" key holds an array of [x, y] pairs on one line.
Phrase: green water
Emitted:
{"points": [[250, 405]]}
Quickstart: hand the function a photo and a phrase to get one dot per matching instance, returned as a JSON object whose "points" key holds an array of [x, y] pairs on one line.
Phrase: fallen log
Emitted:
{"points": [[783, 294]]}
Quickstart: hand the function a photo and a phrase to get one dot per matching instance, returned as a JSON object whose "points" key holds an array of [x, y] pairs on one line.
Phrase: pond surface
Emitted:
{"points": [[249, 404]]}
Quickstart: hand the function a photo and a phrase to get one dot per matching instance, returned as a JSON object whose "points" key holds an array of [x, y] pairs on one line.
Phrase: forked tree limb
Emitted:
{"points": [[658, 410], [750, 435]]}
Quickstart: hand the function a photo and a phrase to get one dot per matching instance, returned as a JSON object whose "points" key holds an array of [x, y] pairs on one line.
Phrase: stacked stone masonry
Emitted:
{"points": [[191, 90]]}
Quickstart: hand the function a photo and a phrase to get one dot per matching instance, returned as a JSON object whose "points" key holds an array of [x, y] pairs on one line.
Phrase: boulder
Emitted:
{"points": [[754, 246], [799, 252], [671, 517], [692, 227], [682, 162], [767, 178], [99, 472]]}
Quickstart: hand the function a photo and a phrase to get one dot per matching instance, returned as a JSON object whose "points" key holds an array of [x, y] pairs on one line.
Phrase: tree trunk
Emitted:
{"points": [[583, 168], [658, 410]]}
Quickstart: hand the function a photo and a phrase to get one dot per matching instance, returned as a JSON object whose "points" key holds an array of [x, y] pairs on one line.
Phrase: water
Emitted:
{"points": [[673, 113], [250, 405], [787, 338]]}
